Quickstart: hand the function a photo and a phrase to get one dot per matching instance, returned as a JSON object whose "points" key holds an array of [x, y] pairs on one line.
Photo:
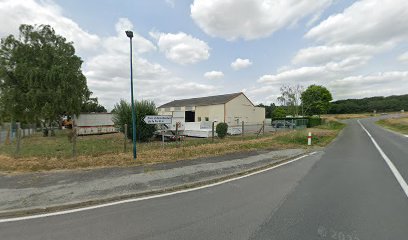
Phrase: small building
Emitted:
{"points": [[94, 123], [232, 109]]}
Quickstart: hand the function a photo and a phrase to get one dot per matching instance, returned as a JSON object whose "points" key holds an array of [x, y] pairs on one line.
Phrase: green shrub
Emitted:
{"points": [[221, 130], [314, 121], [123, 115]]}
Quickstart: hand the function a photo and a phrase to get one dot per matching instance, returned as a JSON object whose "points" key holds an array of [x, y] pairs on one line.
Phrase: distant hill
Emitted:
{"points": [[380, 104]]}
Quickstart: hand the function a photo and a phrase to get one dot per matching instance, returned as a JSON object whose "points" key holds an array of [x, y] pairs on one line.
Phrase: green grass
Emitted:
{"points": [[47, 153], [321, 135]]}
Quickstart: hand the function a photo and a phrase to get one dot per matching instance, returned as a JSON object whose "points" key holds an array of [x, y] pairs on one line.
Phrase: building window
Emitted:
{"points": [[167, 109], [199, 119], [207, 119], [177, 108]]}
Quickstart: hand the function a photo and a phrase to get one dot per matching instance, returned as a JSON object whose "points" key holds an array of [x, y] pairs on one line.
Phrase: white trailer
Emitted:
{"points": [[94, 123]]}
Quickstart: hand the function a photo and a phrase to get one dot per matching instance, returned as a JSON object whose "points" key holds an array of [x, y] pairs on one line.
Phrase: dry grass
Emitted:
{"points": [[348, 116], [396, 124], [43, 154]]}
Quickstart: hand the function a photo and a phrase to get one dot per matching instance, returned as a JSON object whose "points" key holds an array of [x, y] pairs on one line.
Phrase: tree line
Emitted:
{"points": [[371, 104]]}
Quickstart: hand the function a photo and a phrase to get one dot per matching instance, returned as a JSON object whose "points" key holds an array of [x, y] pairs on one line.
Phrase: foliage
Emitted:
{"points": [[123, 115], [279, 112], [268, 109], [92, 105], [290, 98], [364, 105], [40, 76], [316, 100], [221, 129], [314, 121]]}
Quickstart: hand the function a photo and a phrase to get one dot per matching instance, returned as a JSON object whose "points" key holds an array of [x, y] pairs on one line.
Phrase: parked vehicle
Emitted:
{"points": [[282, 124]]}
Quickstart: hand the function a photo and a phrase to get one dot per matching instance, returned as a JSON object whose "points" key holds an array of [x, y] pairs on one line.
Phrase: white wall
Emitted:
{"points": [[241, 109], [213, 112]]}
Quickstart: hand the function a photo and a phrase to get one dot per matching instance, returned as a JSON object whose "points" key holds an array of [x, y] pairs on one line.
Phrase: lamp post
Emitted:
{"points": [[129, 34]]}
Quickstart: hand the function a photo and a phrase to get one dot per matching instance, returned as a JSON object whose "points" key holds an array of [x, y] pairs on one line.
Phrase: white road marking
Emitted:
{"points": [[148, 197], [394, 170]]}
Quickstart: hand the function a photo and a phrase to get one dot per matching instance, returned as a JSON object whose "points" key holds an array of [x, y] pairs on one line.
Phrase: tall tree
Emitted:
{"points": [[316, 100], [92, 105], [290, 98], [40, 76]]}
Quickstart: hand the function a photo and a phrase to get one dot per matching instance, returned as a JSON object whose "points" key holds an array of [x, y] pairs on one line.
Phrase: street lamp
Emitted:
{"points": [[129, 34]]}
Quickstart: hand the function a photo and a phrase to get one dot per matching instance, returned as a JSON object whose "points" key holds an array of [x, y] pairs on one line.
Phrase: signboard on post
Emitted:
{"points": [[158, 119]]}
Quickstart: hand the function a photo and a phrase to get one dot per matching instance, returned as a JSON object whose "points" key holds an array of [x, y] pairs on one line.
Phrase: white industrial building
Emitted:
{"points": [[196, 113]]}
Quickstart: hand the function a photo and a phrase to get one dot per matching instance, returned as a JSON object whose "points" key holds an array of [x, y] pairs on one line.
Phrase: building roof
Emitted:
{"points": [[203, 101]]}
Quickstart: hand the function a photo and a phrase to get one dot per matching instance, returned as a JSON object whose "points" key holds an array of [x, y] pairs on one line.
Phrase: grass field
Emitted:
{"points": [[395, 124], [51, 153]]}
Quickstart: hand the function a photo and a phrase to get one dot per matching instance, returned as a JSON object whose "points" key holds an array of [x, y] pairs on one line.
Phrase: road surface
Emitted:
{"points": [[347, 192]]}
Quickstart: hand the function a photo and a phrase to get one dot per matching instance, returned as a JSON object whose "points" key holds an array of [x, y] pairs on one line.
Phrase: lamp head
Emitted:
{"points": [[129, 34]]}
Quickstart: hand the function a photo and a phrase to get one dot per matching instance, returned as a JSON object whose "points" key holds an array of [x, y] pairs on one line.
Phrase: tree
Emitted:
{"points": [[92, 105], [290, 98], [278, 112], [123, 115], [316, 100], [40, 76]]}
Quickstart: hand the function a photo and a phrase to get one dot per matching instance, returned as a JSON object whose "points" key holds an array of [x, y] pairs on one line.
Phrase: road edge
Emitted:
{"points": [[6, 216]]}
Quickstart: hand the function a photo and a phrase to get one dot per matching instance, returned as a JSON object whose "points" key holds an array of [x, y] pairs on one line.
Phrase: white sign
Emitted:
{"points": [[157, 119]]}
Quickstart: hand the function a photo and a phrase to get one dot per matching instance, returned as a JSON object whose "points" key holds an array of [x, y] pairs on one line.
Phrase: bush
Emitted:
{"points": [[314, 121], [123, 115], [221, 130]]}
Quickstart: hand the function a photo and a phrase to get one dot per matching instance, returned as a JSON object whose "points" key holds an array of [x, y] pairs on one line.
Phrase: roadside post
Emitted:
{"points": [[159, 119], [309, 139]]}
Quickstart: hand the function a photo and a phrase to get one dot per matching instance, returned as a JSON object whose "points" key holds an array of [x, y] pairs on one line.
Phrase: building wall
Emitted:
{"points": [[241, 109], [213, 112]]}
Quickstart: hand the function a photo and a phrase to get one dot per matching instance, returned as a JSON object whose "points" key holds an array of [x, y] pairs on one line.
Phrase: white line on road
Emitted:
{"points": [[149, 197], [394, 170]]}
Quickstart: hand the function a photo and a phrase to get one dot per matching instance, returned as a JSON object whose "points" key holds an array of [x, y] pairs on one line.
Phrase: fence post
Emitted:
{"points": [[212, 131], [125, 138], [263, 127], [243, 129], [18, 140], [8, 137], [74, 140]]}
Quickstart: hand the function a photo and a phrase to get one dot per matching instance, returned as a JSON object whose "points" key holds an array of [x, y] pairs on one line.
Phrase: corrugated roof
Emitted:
{"points": [[203, 101]]}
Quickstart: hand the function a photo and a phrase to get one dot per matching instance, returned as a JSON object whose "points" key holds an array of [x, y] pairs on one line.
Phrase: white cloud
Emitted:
{"points": [[380, 84], [181, 47], [241, 63], [109, 77], [120, 43], [214, 75], [323, 54], [403, 57], [366, 21], [251, 19], [13, 13]]}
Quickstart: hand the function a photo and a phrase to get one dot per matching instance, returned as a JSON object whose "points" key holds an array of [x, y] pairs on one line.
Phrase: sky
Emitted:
{"points": [[195, 48]]}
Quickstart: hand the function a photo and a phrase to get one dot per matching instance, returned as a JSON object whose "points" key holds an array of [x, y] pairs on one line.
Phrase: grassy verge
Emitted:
{"points": [[52, 153], [395, 124]]}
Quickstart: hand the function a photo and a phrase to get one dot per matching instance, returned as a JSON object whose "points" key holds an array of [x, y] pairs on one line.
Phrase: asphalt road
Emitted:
{"points": [[348, 192]]}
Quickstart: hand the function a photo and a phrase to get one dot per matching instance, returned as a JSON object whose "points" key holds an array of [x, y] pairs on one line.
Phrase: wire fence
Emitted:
{"points": [[17, 140]]}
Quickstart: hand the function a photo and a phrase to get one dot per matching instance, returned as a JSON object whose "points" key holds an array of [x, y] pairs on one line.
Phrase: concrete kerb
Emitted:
{"points": [[74, 205]]}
